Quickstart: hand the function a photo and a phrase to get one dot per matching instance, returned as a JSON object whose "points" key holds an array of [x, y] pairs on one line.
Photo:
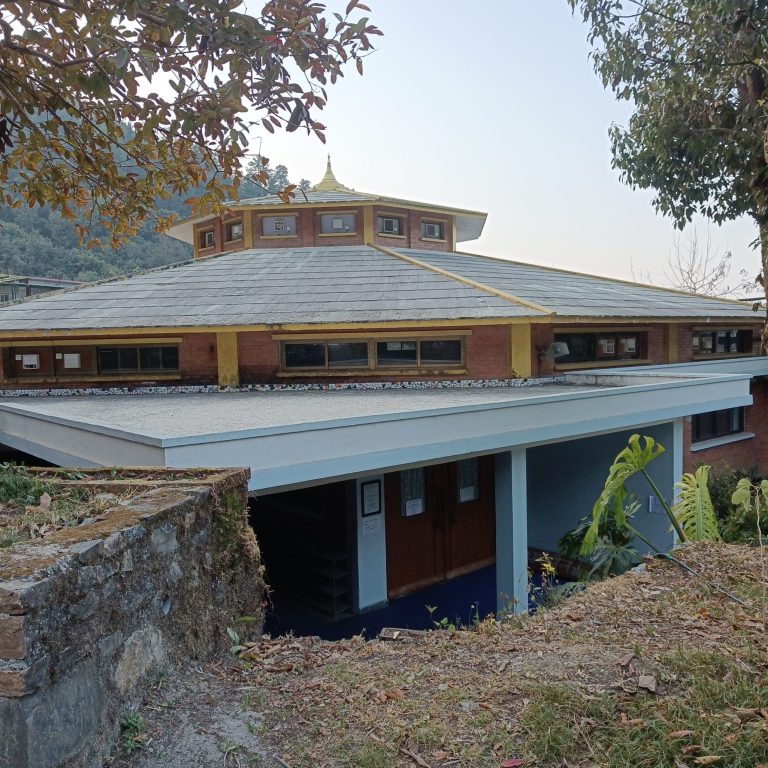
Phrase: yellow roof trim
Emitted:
{"points": [[237, 206], [21, 336], [465, 280]]}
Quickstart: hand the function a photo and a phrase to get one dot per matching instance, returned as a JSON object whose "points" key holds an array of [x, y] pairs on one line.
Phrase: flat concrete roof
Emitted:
{"points": [[170, 418], [291, 439]]}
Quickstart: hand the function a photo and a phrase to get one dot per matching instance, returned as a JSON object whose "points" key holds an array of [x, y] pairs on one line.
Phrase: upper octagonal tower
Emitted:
{"points": [[329, 214]]}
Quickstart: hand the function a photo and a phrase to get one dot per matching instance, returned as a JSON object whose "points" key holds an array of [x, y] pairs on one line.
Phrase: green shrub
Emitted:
{"points": [[737, 524]]}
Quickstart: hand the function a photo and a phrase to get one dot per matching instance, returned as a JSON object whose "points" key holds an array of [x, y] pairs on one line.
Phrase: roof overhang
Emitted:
{"points": [[319, 441], [469, 224]]}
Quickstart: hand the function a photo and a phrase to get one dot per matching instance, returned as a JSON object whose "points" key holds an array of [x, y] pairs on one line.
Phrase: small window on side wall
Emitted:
{"points": [[714, 424], [30, 362], [207, 239], [390, 225], [278, 226], [337, 224], [234, 231], [70, 360], [432, 230]]}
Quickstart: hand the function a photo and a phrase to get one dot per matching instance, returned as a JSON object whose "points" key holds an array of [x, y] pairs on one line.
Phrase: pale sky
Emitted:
{"points": [[494, 106]]}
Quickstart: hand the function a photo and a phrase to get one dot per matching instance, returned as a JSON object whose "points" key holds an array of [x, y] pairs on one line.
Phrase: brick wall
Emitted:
{"points": [[414, 231], [197, 358], [303, 236], [744, 454], [258, 357], [232, 245], [542, 335], [392, 241], [197, 364]]}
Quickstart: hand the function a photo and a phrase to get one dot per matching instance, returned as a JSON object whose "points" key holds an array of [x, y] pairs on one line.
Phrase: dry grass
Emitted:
{"points": [[562, 688], [33, 507]]}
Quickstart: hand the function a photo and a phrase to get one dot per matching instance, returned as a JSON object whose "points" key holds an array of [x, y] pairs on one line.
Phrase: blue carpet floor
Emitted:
{"points": [[457, 600]]}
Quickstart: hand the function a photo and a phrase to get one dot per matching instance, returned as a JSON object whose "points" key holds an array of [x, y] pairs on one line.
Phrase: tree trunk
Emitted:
{"points": [[763, 228]]}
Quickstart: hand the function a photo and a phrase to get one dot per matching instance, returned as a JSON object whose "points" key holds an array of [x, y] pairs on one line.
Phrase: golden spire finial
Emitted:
{"points": [[329, 183]]}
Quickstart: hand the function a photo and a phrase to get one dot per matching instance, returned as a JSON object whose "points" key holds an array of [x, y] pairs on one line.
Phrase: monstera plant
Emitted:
{"points": [[692, 516]]}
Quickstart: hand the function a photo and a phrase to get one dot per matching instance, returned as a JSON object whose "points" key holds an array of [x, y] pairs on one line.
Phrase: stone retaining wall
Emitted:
{"points": [[89, 615]]}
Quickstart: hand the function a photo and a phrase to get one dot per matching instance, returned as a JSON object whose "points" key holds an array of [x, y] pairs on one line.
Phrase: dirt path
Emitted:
{"points": [[197, 717]]}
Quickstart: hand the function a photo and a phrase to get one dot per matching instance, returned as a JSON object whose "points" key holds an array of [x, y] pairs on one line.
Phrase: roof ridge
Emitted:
{"points": [[466, 280], [619, 280]]}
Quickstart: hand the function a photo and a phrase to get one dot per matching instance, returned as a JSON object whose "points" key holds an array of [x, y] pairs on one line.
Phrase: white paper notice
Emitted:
{"points": [[414, 507], [371, 525], [371, 504]]}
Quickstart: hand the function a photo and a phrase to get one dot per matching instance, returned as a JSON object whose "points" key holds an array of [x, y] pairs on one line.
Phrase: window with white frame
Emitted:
{"points": [[207, 238], [714, 424]]}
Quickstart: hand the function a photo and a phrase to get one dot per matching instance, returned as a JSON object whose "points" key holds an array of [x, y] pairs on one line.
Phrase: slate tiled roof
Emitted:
{"points": [[352, 284], [571, 294], [312, 196], [302, 285]]}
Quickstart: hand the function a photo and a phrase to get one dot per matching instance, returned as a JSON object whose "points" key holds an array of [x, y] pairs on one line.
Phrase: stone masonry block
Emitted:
{"points": [[12, 642], [88, 552], [164, 540]]}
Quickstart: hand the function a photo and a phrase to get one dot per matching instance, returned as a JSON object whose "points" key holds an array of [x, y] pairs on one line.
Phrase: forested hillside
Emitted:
{"points": [[37, 241]]}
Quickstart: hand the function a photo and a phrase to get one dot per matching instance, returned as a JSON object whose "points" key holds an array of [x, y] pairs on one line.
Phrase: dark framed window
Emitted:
{"points": [[708, 426], [337, 223], [233, 231], [159, 358], [278, 226], [207, 238], [420, 353], [433, 230], [400, 354], [325, 354], [599, 347], [722, 342], [390, 225], [371, 354], [137, 359]]}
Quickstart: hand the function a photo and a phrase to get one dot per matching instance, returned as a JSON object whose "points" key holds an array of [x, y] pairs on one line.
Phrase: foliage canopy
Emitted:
{"points": [[107, 104], [695, 73]]}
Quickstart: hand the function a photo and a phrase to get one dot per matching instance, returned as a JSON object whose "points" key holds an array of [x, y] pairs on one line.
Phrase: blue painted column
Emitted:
{"points": [[511, 531]]}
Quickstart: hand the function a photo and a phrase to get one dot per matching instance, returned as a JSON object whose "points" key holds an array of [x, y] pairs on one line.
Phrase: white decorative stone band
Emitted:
{"points": [[180, 390]]}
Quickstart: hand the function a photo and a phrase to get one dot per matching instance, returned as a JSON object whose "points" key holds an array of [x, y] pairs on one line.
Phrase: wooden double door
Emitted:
{"points": [[440, 523]]}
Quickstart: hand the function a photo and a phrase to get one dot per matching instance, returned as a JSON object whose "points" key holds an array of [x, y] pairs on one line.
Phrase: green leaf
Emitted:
{"points": [[631, 460], [694, 510]]}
